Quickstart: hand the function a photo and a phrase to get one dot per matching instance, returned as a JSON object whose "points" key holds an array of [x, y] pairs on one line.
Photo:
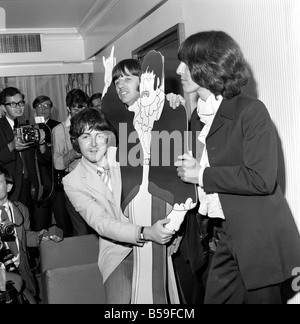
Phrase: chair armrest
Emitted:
{"points": [[79, 284]]}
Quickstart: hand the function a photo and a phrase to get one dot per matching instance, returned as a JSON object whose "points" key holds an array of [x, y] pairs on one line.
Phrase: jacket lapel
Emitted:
{"points": [[18, 220], [226, 111], [115, 174], [94, 182]]}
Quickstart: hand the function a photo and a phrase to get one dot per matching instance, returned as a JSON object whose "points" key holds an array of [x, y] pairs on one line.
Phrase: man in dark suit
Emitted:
{"points": [[236, 174], [16, 242], [16, 155], [53, 196]]}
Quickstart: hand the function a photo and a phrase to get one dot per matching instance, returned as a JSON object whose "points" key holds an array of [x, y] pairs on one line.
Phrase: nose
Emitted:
{"points": [[93, 141], [120, 84], [181, 68]]}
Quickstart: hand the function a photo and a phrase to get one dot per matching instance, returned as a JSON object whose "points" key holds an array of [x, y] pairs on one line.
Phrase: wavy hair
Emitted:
{"points": [[216, 62]]}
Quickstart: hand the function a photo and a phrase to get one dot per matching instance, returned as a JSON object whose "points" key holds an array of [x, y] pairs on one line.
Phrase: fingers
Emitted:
{"points": [[175, 100], [112, 52]]}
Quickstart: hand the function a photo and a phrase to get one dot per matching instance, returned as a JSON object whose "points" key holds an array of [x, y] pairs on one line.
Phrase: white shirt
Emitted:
{"points": [[11, 217], [11, 123], [209, 203]]}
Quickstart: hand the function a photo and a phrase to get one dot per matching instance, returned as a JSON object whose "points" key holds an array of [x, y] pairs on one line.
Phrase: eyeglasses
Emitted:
{"points": [[15, 104], [78, 106], [44, 106]]}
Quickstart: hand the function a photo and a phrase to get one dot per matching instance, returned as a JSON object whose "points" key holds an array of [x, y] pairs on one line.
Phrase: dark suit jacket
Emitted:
{"points": [[242, 152], [45, 160], [27, 238], [13, 162]]}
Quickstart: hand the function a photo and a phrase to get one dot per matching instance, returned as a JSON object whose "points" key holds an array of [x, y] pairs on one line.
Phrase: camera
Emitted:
{"points": [[6, 257], [6, 228], [27, 134]]}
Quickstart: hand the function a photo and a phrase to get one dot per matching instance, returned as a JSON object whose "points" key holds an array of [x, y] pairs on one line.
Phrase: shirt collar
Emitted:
{"points": [[7, 207], [11, 122], [207, 109]]}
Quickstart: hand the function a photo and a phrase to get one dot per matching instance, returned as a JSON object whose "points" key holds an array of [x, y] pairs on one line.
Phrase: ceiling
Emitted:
{"points": [[40, 14], [85, 27]]}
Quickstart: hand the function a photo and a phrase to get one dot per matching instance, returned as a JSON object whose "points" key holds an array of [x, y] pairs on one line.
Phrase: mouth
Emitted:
{"points": [[145, 94]]}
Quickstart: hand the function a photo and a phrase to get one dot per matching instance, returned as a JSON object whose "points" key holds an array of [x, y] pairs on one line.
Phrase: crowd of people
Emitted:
{"points": [[238, 245]]}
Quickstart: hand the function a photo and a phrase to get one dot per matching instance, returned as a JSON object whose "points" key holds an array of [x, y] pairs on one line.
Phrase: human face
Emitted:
{"points": [[75, 109], [147, 91], [96, 103], [44, 109], [18, 111], [4, 189], [93, 145], [188, 85], [127, 88]]}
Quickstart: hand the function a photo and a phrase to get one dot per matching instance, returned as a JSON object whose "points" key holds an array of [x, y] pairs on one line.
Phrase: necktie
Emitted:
{"points": [[11, 244], [104, 175]]}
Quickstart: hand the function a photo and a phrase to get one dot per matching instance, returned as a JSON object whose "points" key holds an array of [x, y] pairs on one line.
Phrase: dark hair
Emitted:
{"points": [[76, 96], [39, 100], [95, 96], [92, 118], [153, 62], [7, 175], [216, 62], [9, 92], [133, 66]]}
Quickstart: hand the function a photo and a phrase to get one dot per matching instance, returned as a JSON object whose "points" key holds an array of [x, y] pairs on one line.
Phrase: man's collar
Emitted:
{"points": [[11, 122], [208, 107]]}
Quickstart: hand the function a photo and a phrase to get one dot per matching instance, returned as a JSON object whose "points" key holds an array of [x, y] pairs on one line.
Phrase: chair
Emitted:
{"points": [[70, 273]]}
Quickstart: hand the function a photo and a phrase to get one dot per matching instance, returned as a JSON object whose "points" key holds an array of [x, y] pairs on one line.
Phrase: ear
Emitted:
{"points": [[9, 187], [2, 111]]}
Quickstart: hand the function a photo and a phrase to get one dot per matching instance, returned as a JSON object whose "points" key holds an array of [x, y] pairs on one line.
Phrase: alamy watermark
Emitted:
{"points": [[165, 146]]}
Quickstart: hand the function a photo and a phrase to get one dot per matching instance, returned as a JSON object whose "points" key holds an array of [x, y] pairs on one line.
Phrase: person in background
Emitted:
{"points": [[65, 158], [53, 198], [95, 100], [14, 243], [18, 156], [94, 188], [236, 175]]}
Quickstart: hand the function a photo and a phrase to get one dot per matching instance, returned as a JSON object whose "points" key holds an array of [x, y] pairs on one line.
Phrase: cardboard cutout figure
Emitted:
{"points": [[151, 137]]}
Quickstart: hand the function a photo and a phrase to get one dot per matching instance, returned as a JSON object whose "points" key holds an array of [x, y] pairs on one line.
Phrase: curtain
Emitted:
{"points": [[79, 81], [55, 87]]}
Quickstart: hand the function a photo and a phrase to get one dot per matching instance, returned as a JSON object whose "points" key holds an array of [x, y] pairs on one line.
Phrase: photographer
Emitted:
{"points": [[18, 149], [16, 235]]}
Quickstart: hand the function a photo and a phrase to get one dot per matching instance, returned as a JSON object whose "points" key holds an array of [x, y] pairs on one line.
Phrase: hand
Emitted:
{"points": [[158, 233], [188, 169], [108, 64], [175, 100], [174, 246], [21, 146], [42, 136], [178, 213]]}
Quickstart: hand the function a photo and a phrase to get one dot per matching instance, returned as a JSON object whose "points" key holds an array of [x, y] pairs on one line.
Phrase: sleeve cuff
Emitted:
{"points": [[201, 176]]}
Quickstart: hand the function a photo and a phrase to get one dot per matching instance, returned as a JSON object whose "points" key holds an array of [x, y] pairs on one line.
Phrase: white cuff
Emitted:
{"points": [[200, 178]]}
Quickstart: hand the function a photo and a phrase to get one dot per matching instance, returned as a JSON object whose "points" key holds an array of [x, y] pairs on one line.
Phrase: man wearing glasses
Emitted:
{"points": [[53, 198], [65, 158], [17, 156]]}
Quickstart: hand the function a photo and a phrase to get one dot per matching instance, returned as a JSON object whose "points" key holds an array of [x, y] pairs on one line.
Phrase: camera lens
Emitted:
{"points": [[6, 257], [8, 230]]}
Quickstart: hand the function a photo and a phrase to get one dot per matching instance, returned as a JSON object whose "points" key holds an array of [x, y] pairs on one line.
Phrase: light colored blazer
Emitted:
{"points": [[101, 209]]}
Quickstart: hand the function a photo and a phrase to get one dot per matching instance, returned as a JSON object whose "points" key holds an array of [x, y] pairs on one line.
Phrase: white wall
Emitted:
{"points": [[268, 32]]}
